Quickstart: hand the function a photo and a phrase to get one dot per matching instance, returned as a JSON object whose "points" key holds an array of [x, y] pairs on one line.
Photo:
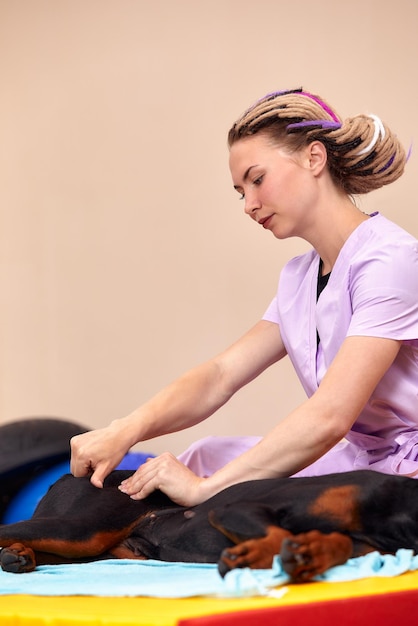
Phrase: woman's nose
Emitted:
{"points": [[251, 204]]}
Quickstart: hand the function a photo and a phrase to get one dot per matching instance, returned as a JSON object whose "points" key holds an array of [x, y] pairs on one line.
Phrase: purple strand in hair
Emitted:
{"points": [[325, 124], [408, 156], [321, 104], [276, 94], [388, 164]]}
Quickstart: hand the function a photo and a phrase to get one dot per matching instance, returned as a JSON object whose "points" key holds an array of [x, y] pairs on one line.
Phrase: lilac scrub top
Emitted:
{"points": [[372, 291]]}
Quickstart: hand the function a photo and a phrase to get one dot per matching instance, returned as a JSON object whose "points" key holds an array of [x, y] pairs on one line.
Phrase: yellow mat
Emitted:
{"points": [[63, 611]]}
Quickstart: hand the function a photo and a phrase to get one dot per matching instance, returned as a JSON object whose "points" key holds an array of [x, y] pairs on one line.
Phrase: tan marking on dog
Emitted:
{"points": [[339, 504]]}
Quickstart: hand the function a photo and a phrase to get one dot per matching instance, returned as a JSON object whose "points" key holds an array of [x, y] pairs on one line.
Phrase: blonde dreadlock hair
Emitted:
{"points": [[363, 153]]}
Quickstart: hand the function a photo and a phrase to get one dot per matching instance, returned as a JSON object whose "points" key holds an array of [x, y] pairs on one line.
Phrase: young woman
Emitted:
{"points": [[346, 314]]}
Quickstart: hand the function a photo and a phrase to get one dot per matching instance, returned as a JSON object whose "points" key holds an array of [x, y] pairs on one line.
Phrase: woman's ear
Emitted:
{"points": [[317, 154]]}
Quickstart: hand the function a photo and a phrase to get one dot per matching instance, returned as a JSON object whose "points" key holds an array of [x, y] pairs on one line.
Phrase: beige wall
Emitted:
{"points": [[125, 256]]}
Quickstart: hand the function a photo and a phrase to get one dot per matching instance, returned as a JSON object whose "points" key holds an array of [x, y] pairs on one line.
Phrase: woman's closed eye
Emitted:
{"points": [[257, 181]]}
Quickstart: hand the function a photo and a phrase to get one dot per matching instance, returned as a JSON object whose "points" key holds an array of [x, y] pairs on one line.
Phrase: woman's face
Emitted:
{"points": [[279, 189]]}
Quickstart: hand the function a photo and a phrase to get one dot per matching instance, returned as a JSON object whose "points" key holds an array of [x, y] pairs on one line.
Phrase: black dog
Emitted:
{"points": [[313, 523]]}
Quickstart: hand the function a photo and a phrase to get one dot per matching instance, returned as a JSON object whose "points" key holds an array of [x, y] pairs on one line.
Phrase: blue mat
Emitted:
{"points": [[126, 578]]}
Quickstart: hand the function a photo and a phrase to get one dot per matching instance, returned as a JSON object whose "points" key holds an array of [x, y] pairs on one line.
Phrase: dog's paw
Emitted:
{"points": [[231, 560], [17, 559], [296, 559], [255, 553], [309, 554]]}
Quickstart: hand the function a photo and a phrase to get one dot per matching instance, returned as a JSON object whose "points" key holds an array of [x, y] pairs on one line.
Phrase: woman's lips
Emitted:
{"points": [[264, 222]]}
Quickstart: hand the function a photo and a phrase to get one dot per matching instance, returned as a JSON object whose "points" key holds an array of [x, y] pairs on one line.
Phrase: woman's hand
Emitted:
{"points": [[97, 452], [169, 475]]}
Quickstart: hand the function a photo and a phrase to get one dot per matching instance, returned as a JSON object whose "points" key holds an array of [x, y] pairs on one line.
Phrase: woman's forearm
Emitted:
{"points": [[186, 402], [183, 403], [200, 392], [292, 445]]}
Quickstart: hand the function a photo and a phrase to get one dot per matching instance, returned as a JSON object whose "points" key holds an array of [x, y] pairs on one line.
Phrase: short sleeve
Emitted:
{"points": [[272, 313], [384, 292]]}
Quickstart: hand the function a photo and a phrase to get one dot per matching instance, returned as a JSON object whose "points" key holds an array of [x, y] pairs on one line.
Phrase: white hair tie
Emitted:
{"points": [[379, 129]]}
